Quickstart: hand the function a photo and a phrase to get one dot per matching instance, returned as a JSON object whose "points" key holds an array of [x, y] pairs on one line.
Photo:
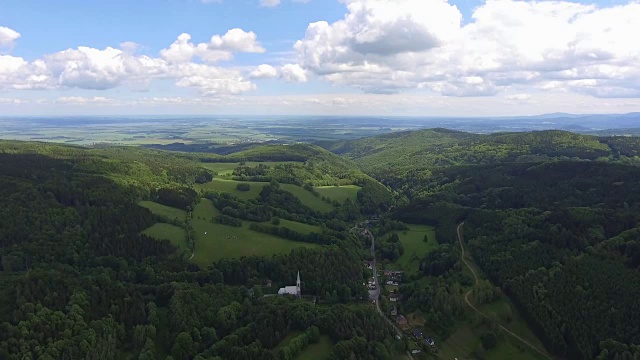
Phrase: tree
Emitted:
{"points": [[182, 347]]}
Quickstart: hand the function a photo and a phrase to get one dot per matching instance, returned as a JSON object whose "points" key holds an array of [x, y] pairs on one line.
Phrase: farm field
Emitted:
{"points": [[229, 186], [466, 338], [173, 233], [299, 227], [319, 351], [222, 241], [307, 198], [414, 247], [223, 169], [164, 210], [339, 193]]}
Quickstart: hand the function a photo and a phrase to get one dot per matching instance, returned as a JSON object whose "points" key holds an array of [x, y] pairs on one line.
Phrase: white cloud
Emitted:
{"points": [[519, 97], [264, 71], [8, 36], [95, 69], [293, 73], [387, 46], [269, 3], [79, 100], [219, 48]]}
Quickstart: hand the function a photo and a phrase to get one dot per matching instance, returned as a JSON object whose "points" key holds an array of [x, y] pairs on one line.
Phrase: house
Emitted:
{"points": [[430, 342], [401, 320], [268, 283], [394, 297], [417, 334], [292, 290], [416, 351], [394, 311]]}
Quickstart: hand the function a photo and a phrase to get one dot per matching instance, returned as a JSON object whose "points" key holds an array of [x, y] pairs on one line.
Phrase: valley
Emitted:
{"points": [[191, 247]]}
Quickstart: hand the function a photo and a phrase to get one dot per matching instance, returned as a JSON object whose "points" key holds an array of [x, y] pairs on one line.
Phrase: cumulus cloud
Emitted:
{"points": [[96, 69], [293, 73], [217, 49], [8, 36], [264, 71], [387, 46]]}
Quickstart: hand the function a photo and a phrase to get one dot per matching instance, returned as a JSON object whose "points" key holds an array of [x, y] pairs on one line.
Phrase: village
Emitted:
{"points": [[392, 280]]}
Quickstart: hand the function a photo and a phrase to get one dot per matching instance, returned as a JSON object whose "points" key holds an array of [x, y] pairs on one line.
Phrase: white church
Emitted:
{"points": [[292, 290]]}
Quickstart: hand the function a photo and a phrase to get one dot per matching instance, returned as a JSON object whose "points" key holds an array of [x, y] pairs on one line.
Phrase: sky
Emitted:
{"points": [[319, 57]]}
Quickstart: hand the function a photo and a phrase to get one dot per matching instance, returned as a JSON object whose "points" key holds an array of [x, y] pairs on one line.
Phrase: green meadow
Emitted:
{"points": [[414, 247], [339, 193], [215, 241], [223, 169], [175, 234], [229, 186], [164, 210]]}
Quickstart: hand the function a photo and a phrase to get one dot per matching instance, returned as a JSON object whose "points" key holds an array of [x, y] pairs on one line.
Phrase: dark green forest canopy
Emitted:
{"points": [[78, 278], [404, 158]]}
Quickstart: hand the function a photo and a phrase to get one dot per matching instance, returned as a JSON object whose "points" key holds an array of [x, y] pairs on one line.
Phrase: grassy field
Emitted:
{"points": [[339, 193], [318, 351], [175, 234], [164, 210], [414, 247], [307, 198], [223, 169], [464, 341], [299, 227], [221, 241], [229, 186]]}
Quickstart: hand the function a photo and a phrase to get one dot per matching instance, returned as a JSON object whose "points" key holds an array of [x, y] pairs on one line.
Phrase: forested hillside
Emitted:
{"points": [[549, 217], [400, 159], [80, 279]]}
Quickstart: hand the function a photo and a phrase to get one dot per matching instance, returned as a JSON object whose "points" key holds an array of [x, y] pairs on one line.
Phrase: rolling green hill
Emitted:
{"points": [[394, 158]]}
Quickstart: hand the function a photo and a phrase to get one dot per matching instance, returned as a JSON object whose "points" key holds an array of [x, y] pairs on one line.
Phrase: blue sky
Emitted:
{"points": [[405, 57]]}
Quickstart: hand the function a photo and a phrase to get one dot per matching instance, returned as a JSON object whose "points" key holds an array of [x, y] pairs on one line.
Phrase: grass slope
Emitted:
{"points": [[164, 210], [175, 234], [222, 241], [307, 198], [318, 351], [227, 168], [339, 193], [229, 186], [414, 247], [299, 227]]}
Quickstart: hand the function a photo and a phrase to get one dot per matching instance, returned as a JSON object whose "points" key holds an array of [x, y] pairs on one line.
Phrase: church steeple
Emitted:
{"points": [[298, 290]]}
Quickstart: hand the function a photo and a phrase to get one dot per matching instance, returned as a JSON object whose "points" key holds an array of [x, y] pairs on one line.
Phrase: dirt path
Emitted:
{"points": [[468, 294]]}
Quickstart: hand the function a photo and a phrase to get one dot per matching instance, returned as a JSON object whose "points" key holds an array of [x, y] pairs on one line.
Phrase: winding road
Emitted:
{"points": [[468, 294], [375, 294]]}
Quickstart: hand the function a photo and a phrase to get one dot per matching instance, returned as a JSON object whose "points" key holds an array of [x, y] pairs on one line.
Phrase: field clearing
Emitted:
{"points": [[175, 234], [414, 247], [465, 339], [299, 227], [222, 241], [517, 325], [164, 210], [205, 210], [318, 351], [339, 193], [229, 186], [307, 198], [227, 168]]}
